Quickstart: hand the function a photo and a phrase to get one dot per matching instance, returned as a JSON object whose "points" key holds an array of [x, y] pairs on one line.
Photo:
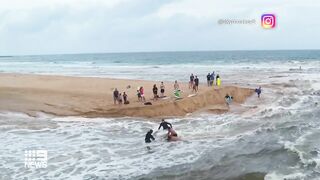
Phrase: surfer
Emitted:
{"points": [[165, 125], [149, 136], [258, 91]]}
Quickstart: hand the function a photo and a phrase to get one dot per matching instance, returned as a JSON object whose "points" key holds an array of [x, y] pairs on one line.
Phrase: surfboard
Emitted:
{"points": [[192, 95]]}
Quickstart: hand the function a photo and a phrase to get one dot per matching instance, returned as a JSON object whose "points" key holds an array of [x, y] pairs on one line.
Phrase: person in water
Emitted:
{"points": [[172, 135], [149, 136], [228, 99], [165, 125], [258, 91]]}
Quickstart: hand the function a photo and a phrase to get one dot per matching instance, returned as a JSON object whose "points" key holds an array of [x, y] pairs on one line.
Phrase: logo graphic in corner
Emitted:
{"points": [[268, 21], [36, 159]]}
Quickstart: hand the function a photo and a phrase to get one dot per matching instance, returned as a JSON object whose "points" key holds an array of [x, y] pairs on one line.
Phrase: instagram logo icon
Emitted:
{"points": [[268, 21]]}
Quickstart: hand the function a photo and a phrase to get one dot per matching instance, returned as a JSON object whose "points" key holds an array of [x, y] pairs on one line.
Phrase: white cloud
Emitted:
{"points": [[75, 26]]}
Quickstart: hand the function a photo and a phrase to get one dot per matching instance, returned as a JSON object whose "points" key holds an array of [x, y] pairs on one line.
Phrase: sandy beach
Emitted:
{"points": [[93, 97]]}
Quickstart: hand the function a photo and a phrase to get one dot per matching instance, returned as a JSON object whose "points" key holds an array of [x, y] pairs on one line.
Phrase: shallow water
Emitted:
{"points": [[277, 140]]}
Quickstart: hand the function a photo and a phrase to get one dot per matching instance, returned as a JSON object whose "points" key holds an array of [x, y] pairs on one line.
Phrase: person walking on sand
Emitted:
{"points": [[258, 91], [155, 92], [143, 99], [191, 82], [209, 79], [115, 96], [162, 89], [196, 83], [165, 125], [176, 85]]}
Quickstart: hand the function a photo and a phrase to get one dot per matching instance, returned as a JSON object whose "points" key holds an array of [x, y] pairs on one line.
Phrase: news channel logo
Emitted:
{"points": [[35, 159], [268, 21]]}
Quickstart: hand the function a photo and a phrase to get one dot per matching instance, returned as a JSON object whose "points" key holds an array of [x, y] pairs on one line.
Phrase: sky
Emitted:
{"points": [[30, 27]]}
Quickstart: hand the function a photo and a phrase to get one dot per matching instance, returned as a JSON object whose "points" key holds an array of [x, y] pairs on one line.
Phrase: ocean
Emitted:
{"points": [[277, 140]]}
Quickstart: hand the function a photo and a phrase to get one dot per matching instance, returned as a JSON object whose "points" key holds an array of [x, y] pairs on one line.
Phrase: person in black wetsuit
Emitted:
{"points": [[165, 125], [149, 136]]}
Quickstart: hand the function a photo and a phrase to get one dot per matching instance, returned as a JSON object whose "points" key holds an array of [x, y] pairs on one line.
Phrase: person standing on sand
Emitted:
{"points": [[196, 83], [212, 78], [138, 94], [120, 99], [162, 89], [165, 125], [218, 81], [115, 95], [155, 92], [209, 79], [176, 85], [125, 98], [142, 94], [191, 81]]}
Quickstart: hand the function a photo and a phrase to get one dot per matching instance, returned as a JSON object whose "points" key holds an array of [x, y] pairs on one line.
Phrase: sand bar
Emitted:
{"points": [[92, 97]]}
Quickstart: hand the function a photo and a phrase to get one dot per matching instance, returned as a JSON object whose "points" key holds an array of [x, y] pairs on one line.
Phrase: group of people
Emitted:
{"points": [[210, 79], [194, 83], [171, 135], [120, 98], [155, 91]]}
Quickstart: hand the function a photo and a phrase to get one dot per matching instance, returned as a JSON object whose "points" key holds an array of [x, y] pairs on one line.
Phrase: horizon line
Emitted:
{"points": [[164, 51]]}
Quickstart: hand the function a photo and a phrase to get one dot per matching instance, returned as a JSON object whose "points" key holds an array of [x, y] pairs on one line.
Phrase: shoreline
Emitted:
{"points": [[92, 97]]}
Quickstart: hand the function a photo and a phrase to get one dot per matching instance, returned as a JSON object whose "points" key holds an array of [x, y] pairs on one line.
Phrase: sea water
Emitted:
{"points": [[279, 139]]}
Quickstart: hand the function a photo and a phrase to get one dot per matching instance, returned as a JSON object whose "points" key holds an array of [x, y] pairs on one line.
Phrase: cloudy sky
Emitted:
{"points": [[85, 26]]}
